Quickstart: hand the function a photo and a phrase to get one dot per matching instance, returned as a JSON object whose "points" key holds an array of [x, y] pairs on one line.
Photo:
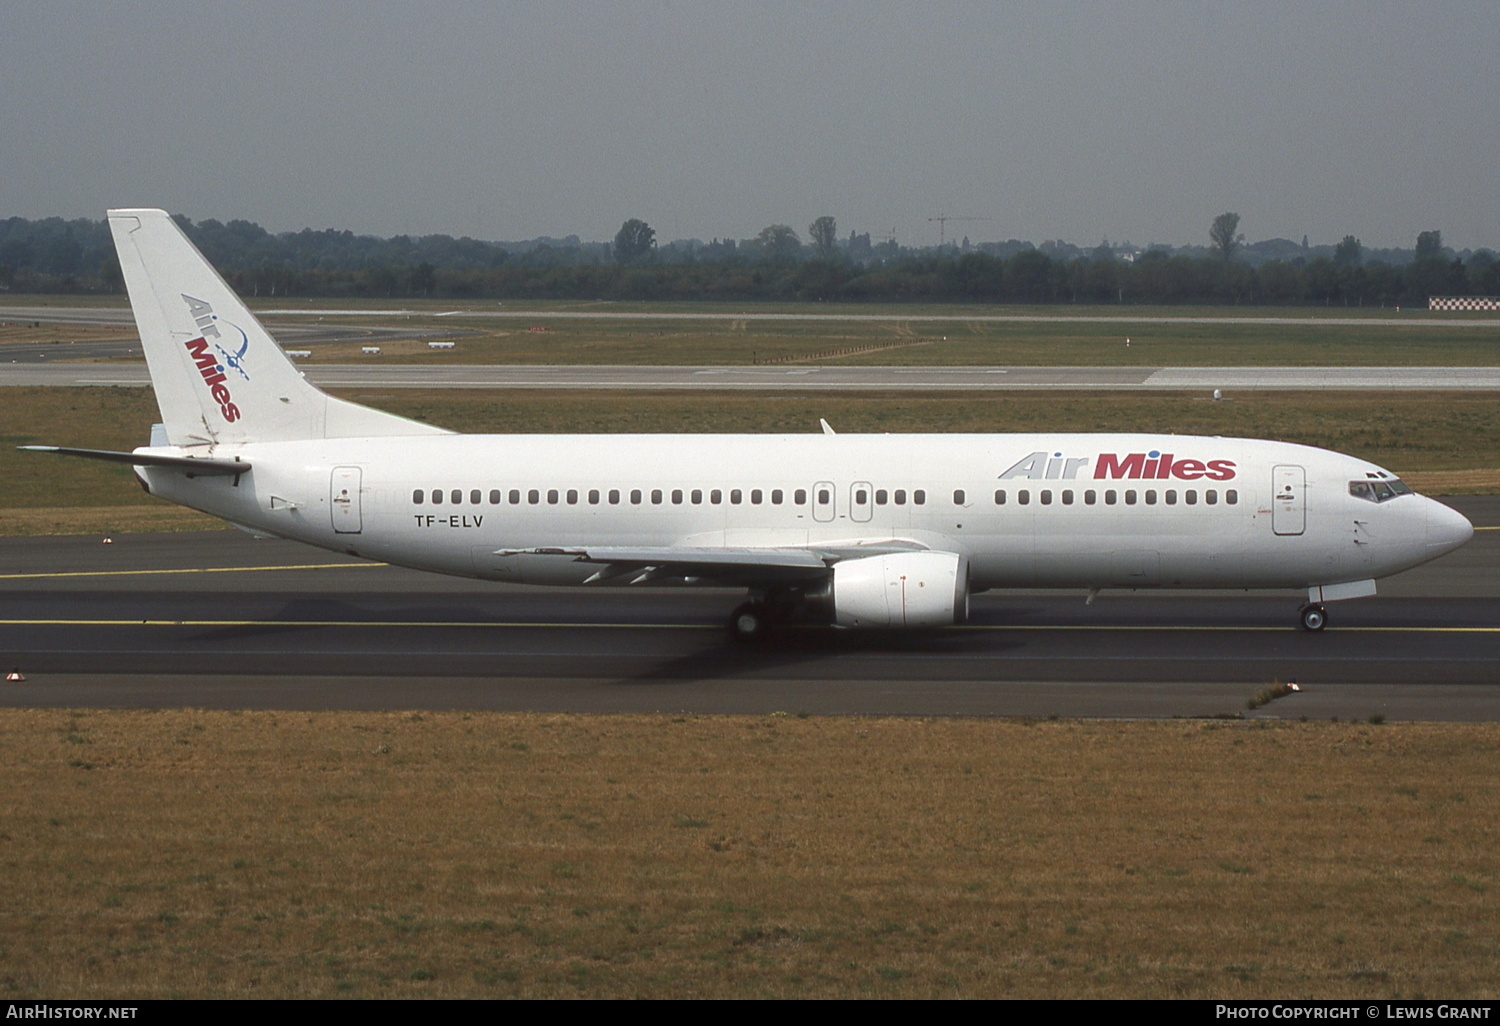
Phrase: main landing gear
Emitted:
{"points": [[749, 621], [753, 620], [1314, 617]]}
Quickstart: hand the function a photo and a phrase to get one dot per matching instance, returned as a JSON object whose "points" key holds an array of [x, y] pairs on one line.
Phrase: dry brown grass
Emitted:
{"points": [[214, 854], [59, 335], [1455, 482], [104, 520]]}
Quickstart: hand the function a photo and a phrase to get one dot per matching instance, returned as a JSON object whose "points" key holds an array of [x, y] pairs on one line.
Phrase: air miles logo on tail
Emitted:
{"points": [[1136, 466], [212, 367]]}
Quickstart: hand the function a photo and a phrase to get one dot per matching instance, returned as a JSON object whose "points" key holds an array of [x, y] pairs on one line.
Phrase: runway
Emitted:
{"points": [[221, 620], [814, 379]]}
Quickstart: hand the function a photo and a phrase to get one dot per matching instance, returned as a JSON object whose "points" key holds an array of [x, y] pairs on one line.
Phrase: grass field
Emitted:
{"points": [[1441, 442], [209, 854], [1335, 342]]}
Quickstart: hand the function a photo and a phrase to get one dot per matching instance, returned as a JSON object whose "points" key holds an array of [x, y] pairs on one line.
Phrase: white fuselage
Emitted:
{"points": [[1087, 511]]}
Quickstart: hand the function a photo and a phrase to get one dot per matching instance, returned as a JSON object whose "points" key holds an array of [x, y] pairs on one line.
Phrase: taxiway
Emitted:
{"points": [[219, 619]]}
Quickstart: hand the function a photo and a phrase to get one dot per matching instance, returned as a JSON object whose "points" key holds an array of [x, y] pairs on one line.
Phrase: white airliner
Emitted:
{"points": [[861, 530]]}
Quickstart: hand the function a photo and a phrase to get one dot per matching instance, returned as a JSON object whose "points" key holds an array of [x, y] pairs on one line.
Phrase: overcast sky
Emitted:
{"points": [[1134, 121]]}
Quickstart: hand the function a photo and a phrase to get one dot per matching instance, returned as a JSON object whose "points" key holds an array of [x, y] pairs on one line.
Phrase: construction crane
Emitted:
{"points": [[943, 219]]}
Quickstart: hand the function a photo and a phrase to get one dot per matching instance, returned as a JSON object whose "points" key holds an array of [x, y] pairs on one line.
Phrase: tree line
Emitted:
{"points": [[77, 256]]}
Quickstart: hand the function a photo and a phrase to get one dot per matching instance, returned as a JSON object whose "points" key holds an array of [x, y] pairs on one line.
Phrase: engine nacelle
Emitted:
{"points": [[903, 589]]}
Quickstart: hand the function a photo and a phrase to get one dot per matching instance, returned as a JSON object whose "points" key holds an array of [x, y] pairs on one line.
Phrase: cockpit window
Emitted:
{"points": [[1378, 489]]}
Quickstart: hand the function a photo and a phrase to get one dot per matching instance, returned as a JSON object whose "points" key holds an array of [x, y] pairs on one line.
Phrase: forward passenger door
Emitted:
{"points": [[1288, 500]]}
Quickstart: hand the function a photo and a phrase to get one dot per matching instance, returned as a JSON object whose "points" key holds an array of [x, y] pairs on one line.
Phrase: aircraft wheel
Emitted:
{"points": [[749, 622], [1314, 618]]}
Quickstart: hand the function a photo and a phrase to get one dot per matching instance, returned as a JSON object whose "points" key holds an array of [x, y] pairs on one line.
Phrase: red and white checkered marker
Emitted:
{"points": [[15, 675]]}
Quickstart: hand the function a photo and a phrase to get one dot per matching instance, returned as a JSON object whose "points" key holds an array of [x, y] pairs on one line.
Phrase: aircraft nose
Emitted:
{"points": [[1447, 528]]}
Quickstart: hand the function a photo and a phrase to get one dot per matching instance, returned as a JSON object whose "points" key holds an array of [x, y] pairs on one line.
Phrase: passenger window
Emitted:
{"points": [[1110, 496], [1211, 496], [958, 497], [416, 497], [494, 496], [1023, 497], [799, 497], [437, 496], [823, 497], [881, 497], [1046, 496], [1190, 496], [635, 496], [533, 496], [1090, 497], [593, 496], [1130, 496], [999, 496], [677, 496], [1151, 496], [900, 496], [572, 496], [1067, 496], [919, 497], [474, 497], [656, 496], [736, 496], [552, 496], [716, 496], [457, 496], [756, 496], [1171, 496], [515, 496], [614, 496], [1231, 498], [776, 496], [697, 496]]}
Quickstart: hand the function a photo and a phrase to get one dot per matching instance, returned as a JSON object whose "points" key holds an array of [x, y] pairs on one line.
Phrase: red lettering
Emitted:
{"points": [[1163, 467], [1110, 465], [198, 350], [208, 368]]}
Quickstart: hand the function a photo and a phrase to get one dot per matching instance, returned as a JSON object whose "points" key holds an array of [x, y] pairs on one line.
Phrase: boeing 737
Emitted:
{"points": [[876, 531]]}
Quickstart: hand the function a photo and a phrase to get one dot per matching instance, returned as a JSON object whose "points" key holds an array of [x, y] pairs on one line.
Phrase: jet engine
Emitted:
{"points": [[903, 589]]}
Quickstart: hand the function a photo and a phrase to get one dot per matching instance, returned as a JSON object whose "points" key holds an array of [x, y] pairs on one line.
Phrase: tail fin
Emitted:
{"points": [[219, 376]]}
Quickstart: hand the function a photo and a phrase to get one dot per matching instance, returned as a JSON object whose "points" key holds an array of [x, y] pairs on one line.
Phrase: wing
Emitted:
{"points": [[728, 565]]}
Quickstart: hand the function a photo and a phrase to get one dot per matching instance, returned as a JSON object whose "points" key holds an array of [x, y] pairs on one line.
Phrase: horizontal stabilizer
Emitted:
{"points": [[193, 465]]}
